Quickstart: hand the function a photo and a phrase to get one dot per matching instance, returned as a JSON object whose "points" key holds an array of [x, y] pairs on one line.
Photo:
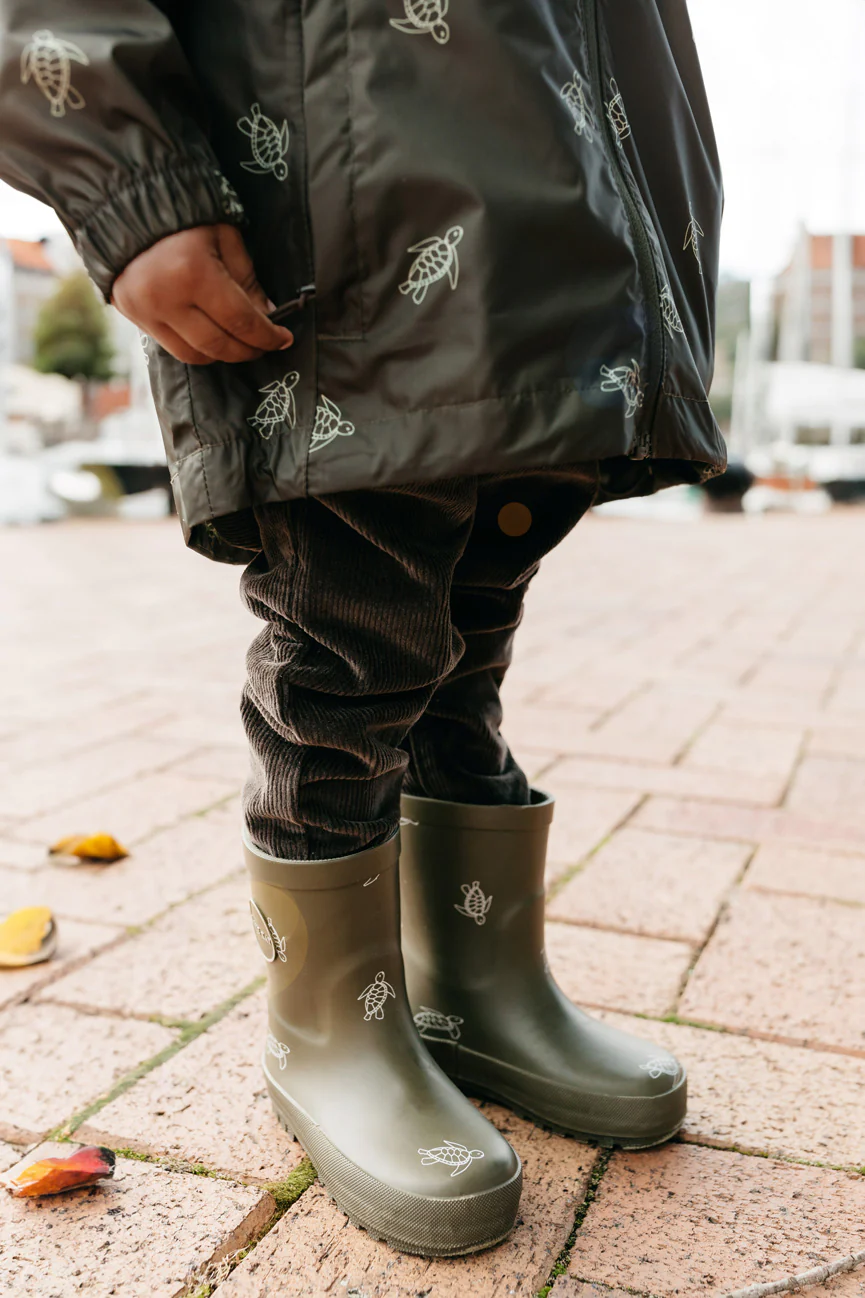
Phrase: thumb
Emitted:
{"points": [[238, 263]]}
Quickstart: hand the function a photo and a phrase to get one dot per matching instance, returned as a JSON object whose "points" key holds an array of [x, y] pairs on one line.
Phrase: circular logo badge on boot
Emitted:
{"points": [[263, 933]]}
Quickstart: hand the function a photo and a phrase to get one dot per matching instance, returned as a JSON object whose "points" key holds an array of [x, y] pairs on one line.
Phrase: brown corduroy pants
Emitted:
{"points": [[389, 623]]}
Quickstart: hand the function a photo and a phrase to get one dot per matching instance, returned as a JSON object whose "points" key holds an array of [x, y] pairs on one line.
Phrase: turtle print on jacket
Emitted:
{"points": [[574, 95], [452, 1154], [627, 380], [475, 906], [436, 258], [269, 144], [329, 424], [693, 235], [672, 319], [278, 407], [422, 16], [375, 995], [47, 59], [618, 118]]}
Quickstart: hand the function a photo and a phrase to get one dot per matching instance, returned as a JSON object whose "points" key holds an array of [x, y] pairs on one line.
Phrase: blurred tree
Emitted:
{"points": [[72, 338]]}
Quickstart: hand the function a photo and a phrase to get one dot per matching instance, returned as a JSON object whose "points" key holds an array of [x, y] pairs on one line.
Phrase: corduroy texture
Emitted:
{"points": [[390, 617]]}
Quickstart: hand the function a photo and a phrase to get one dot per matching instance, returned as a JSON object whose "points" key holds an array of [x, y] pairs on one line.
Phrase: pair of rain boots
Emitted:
{"points": [[375, 1035]]}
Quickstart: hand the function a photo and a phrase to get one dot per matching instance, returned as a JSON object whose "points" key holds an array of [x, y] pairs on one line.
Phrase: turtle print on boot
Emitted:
{"points": [[519, 1041], [393, 1140]]}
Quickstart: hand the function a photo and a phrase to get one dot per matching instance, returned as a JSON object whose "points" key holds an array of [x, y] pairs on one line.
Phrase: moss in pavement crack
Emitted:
{"points": [[186, 1035], [561, 1263]]}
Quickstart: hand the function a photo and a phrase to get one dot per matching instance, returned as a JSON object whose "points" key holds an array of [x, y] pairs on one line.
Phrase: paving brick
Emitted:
{"points": [[208, 1104], [130, 811], [616, 970], [539, 725], [76, 941], [833, 740], [313, 1250], [653, 727], [684, 1220], [223, 761], [191, 960], [787, 967], [54, 1061], [9, 1154], [582, 819], [19, 855], [850, 1284], [679, 781], [165, 869], [763, 1097], [801, 677], [656, 884], [757, 752], [67, 779], [779, 867], [143, 1234], [829, 788], [752, 824]]}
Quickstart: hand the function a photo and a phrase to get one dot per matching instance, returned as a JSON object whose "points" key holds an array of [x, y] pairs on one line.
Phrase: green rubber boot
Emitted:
{"points": [[394, 1143], [472, 880]]}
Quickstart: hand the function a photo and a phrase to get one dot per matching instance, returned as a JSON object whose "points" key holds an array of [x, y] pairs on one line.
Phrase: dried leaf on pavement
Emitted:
{"points": [[27, 936], [54, 1175], [102, 848]]}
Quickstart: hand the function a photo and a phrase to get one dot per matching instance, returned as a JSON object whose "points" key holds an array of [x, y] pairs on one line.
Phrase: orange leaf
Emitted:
{"points": [[90, 847], [54, 1175]]}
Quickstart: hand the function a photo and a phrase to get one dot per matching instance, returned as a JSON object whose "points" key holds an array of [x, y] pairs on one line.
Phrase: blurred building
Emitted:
{"points": [[819, 305], [31, 279]]}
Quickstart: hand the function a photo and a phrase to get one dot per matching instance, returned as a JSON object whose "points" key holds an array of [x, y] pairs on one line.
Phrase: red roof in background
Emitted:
{"points": [[30, 254]]}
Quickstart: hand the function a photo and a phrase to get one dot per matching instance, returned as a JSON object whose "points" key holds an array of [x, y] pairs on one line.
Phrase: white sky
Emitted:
{"points": [[787, 89]]}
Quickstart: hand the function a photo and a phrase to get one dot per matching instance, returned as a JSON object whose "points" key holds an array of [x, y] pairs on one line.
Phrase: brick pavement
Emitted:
{"points": [[694, 695]]}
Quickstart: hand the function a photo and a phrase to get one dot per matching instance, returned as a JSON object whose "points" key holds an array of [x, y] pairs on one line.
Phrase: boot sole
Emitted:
{"points": [[493, 1212], [674, 1102]]}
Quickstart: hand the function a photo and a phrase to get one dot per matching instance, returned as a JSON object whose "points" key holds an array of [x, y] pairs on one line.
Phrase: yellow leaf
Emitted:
{"points": [[90, 847], [27, 936]]}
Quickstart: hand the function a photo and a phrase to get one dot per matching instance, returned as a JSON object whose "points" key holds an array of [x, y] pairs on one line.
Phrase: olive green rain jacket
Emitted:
{"points": [[498, 221]]}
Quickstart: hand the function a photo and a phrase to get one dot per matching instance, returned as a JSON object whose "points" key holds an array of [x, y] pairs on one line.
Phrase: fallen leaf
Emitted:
{"points": [[27, 936], [90, 847], [86, 1166]]}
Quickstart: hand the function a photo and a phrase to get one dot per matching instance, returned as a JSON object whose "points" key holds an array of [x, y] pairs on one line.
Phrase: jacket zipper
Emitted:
{"points": [[641, 447]]}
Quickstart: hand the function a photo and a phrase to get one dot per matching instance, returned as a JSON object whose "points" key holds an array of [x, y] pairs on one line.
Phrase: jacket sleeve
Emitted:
{"points": [[101, 119]]}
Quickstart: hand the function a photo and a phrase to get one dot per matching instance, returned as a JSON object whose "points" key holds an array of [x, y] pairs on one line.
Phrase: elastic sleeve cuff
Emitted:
{"points": [[146, 207]]}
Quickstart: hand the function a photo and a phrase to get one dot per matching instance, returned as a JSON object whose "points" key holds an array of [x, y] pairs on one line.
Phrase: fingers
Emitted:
{"points": [[233, 312], [196, 293], [238, 263], [173, 343]]}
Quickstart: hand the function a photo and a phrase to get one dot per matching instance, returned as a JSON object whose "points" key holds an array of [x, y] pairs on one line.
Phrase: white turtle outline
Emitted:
{"points": [[449, 1025], [450, 266], [617, 114], [659, 1066], [278, 1049], [467, 1156], [628, 381], [573, 92], [693, 234], [670, 312], [43, 43], [379, 987], [471, 890], [252, 127], [286, 385], [415, 26], [327, 409]]}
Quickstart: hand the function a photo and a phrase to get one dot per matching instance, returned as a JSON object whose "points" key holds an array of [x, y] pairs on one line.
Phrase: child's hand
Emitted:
{"points": [[196, 293]]}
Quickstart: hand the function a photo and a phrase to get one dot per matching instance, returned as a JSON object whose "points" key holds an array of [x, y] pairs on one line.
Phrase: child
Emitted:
{"points": [[419, 284]]}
